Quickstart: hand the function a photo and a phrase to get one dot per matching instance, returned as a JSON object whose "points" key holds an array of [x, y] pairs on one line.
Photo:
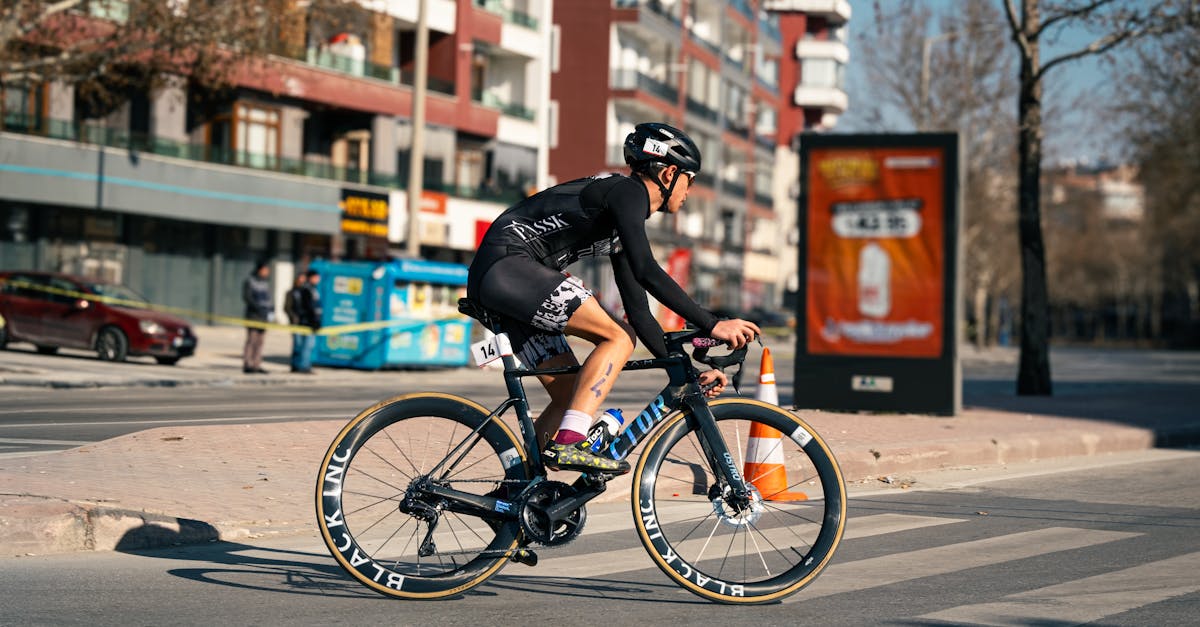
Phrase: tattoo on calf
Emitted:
{"points": [[596, 387]]}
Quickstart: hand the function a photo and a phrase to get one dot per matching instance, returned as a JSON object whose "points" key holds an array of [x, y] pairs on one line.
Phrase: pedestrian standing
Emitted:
{"points": [[308, 313], [291, 307], [260, 307]]}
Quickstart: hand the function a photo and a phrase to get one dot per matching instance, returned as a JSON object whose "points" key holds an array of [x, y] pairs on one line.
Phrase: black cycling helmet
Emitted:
{"points": [[654, 144]]}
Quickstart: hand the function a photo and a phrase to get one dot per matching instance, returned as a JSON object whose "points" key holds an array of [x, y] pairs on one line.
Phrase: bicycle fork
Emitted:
{"points": [[731, 485]]}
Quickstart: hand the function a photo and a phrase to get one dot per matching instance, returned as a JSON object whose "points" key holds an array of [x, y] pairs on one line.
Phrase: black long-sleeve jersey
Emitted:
{"points": [[592, 217]]}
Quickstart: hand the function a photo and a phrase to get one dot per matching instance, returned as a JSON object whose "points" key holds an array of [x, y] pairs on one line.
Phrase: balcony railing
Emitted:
{"points": [[507, 108], [654, 5], [697, 108], [512, 16], [349, 65], [505, 195], [633, 79], [707, 45], [140, 142]]}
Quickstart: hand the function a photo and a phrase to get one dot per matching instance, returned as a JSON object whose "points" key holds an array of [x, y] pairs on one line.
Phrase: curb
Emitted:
{"points": [[36, 525]]}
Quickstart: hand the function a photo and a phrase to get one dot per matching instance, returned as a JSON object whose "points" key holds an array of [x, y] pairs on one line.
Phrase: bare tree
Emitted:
{"points": [[1114, 23], [948, 72], [1160, 96]]}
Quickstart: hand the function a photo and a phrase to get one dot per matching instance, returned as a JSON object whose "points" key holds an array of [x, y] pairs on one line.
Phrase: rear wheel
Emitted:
{"points": [[374, 507], [740, 552], [111, 344]]}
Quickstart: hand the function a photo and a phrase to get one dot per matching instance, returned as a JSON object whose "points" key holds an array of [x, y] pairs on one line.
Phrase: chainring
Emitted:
{"points": [[536, 522]]}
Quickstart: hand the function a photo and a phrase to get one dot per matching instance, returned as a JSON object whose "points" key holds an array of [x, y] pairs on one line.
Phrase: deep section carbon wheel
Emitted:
{"points": [[741, 551], [376, 506]]}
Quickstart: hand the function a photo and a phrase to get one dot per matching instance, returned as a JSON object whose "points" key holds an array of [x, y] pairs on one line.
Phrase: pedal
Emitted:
{"points": [[525, 556], [594, 480]]}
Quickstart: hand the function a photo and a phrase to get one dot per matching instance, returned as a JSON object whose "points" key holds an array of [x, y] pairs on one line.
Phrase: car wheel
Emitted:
{"points": [[111, 344], [167, 361], [47, 350]]}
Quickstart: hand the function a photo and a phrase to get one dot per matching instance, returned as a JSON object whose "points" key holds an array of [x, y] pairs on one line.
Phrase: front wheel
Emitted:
{"points": [[374, 509], [731, 551], [111, 344]]}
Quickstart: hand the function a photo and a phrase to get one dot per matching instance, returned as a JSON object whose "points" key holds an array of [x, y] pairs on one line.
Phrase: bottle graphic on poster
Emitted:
{"points": [[874, 281]]}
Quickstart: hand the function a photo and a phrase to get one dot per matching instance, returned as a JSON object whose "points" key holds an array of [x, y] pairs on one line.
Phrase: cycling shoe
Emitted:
{"points": [[578, 457]]}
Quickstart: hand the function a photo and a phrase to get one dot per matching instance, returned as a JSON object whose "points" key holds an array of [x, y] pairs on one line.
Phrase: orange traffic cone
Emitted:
{"points": [[764, 451]]}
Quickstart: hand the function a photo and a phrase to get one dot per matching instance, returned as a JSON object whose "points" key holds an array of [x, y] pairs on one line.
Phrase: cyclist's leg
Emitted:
{"points": [[563, 388], [614, 345], [560, 387]]}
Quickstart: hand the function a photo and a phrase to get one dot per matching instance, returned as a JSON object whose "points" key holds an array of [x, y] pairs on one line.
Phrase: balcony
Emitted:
{"points": [[655, 6], [512, 16], [823, 49], [836, 11], [710, 46], [702, 110], [832, 99], [97, 135], [48, 168], [352, 66], [634, 79], [507, 108]]}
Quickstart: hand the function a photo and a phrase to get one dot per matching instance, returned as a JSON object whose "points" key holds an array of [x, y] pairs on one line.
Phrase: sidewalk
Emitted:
{"points": [[192, 484]]}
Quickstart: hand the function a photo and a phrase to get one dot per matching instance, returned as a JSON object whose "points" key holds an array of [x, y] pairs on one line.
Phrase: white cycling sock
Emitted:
{"points": [[573, 428]]}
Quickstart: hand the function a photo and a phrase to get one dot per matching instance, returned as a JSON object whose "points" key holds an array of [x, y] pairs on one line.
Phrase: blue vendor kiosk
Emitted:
{"points": [[396, 314]]}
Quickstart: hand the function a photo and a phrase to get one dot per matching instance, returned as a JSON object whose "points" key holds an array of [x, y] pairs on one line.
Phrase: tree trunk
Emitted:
{"points": [[981, 317], [1033, 377]]}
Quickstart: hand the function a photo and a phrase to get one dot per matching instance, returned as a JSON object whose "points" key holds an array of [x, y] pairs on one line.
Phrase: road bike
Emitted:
{"points": [[427, 495]]}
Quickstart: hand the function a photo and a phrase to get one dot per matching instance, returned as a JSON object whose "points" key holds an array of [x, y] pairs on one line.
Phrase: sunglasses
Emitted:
{"points": [[691, 177]]}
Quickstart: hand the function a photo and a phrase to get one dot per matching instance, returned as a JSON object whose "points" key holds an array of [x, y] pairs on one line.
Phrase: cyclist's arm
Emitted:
{"points": [[630, 207], [637, 307]]}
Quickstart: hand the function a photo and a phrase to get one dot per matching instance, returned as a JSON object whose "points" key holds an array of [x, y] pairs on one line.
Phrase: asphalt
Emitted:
{"points": [[180, 485]]}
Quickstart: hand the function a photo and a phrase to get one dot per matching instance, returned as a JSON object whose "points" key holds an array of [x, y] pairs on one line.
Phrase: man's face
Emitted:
{"points": [[264, 272], [682, 186], [314, 279]]}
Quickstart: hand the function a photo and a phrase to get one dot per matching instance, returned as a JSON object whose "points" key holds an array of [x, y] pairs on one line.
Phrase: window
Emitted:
{"points": [[246, 134], [23, 107], [821, 73], [257, 140]]}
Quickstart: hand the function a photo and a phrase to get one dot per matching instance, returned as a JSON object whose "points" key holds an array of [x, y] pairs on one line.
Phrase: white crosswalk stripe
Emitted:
{"points": [[1085, 600], [898, 567], [625, 560]]}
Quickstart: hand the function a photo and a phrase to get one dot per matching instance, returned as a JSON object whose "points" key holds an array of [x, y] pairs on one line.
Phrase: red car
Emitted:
{"points": [[34, 309]]}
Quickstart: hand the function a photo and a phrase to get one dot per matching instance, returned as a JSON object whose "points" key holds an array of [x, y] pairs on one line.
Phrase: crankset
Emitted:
{"points": [[545, 520]]}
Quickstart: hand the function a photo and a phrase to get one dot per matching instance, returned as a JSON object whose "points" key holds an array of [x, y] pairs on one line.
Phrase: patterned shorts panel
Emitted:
{"points": [[534, 304]]}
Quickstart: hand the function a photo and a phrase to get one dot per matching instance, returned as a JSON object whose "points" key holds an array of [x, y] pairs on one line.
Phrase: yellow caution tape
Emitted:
{"points": [[341, 329]]}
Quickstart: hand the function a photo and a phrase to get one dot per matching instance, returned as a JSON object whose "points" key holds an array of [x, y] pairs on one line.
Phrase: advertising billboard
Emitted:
{"points": [[878, 268]]}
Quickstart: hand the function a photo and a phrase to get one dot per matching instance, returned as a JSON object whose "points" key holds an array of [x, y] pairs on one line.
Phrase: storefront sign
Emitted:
{"points": [[364, 213]]}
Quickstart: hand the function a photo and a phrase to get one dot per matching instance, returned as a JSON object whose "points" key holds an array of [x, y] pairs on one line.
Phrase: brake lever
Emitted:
{"points": [[722, 362]]}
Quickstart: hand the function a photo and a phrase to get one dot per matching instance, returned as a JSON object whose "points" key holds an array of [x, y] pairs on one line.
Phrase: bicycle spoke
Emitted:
{"points": [[388, 435], [385, 460]]}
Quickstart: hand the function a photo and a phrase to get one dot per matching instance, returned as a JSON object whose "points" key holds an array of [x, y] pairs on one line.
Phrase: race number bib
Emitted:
{"points": [[491, 349]]}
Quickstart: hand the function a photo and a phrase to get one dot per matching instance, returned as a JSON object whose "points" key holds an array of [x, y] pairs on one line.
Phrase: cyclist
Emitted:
{"points": [[517, 274]]}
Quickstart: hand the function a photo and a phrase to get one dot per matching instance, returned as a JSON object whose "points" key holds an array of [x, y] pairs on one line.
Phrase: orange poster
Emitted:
{"points": [[876, 252]]}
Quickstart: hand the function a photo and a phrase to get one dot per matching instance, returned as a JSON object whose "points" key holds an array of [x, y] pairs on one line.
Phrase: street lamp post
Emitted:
{"points": [[926, 49], [416, 153]]}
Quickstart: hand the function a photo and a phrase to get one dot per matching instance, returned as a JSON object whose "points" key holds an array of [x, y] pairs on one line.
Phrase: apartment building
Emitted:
{"points": [[812, 80], [710, 67], [178, 192]]}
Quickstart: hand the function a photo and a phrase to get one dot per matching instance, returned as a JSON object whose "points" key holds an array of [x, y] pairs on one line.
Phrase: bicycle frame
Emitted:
{"points": [[681, 392]]}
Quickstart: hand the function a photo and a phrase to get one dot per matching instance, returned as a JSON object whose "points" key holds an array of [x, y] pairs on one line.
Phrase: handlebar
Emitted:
{"points": [[701, 344]]}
